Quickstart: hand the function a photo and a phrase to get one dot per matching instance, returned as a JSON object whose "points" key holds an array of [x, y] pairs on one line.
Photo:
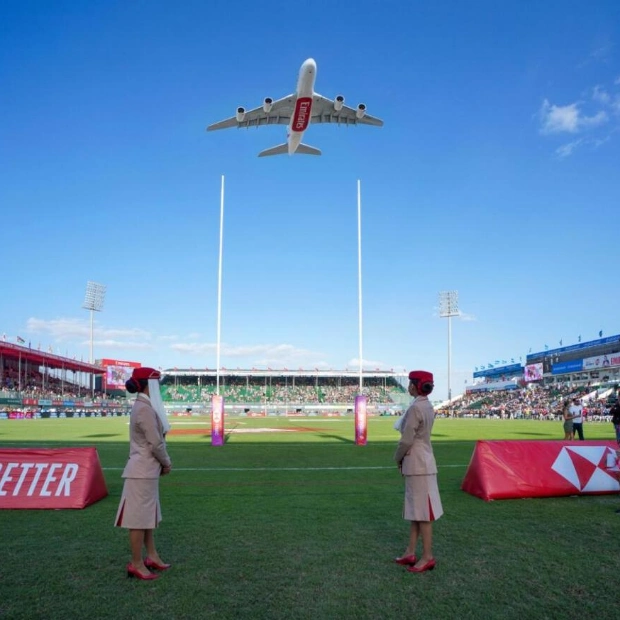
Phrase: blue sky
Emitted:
{"points": [[496, 174]]}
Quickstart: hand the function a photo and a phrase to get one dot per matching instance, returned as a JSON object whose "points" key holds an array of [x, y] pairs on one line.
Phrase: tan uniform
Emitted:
{"points": [[139, 506], [415, 455]]}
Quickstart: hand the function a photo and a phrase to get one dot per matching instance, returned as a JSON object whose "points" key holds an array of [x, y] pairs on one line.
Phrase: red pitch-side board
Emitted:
{"points": [[50, 478], [519, 469]]}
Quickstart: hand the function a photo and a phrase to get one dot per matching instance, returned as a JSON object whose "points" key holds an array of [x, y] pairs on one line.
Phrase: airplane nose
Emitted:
{"points": [[310, 64]]}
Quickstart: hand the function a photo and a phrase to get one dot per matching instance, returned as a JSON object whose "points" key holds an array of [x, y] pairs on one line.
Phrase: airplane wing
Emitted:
{"points": [[279, 114], [323, 111]]}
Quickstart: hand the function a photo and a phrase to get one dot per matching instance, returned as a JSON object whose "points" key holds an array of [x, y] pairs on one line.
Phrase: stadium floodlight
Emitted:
{"points": [[449, 307], [93, 301]]}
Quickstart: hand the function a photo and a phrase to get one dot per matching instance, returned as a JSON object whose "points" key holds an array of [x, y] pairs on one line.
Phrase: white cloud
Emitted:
{"points": [[567, 149], [600, 141], [585, 122], [257, 355], [122, 344], [600, 54], [568, 118], [600, 94], [466, 317], [558, 118], [354, 363], [75, 329]]}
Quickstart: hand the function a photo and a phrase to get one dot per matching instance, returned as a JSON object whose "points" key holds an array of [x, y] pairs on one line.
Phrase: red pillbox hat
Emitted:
{"points": [[145, 372]]}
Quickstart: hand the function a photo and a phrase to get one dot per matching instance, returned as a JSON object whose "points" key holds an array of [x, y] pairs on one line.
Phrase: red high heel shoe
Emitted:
{"points": [[406, 560], [430, 565], [132, 571], [152, 564]]}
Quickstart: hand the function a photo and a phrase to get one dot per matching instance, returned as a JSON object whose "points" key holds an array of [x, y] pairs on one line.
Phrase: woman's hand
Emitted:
{"points": [[166, 470]]}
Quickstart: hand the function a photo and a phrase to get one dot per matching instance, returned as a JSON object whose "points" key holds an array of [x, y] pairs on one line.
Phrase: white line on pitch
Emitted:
{"points": [[281, 468]]}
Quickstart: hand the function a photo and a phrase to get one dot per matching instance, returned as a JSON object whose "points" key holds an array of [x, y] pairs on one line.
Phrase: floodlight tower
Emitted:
{"points": [[449, 307], [93, 301]]}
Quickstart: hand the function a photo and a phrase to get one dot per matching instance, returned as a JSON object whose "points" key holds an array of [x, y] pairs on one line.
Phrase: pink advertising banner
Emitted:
{"points": [[361, 421], [217, 420]]}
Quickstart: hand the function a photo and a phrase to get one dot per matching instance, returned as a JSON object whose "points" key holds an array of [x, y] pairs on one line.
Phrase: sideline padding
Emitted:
{"points": [[532, 468], [50, 478]]}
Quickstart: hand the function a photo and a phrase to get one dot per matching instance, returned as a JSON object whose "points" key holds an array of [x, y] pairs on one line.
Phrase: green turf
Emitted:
{"points": [[305, 525]]}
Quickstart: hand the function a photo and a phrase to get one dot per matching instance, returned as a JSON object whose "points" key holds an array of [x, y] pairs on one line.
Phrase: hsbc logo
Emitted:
{"points": [[585, 467]]}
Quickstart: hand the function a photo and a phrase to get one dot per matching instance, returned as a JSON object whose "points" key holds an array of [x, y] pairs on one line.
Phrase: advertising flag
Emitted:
{"points": [[217, 420], [361, 421]]}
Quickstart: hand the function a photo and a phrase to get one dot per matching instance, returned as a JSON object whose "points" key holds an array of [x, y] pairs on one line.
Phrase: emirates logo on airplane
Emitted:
{"points": [[585, 468], [301, 116]]}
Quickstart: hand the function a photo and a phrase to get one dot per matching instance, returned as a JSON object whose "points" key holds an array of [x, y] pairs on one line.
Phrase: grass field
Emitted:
{"points": [[298, 522]]}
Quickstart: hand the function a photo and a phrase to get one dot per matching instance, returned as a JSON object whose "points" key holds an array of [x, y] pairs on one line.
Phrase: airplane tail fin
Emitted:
{"points": [[304, 149], [282, 149]]}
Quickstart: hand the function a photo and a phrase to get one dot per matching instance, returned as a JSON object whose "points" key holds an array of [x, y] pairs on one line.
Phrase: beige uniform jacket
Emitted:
{"points": [[147, 446], [414, 449]]}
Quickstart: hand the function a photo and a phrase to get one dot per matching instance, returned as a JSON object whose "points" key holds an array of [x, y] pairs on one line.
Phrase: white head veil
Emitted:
{"points": [[158, 404]]}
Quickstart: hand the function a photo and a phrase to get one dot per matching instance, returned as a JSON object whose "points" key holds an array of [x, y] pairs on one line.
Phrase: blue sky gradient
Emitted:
{"points": [[496, 174]]}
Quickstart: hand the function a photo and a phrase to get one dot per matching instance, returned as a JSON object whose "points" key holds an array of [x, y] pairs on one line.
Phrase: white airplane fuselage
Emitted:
{"points": [[303, 105]]}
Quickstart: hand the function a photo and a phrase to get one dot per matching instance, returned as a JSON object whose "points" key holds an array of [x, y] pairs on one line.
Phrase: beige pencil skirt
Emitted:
{"points": [[422, 501], [139, 507]]}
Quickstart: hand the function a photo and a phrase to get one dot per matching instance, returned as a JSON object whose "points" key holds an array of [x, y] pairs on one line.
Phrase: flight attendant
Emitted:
{"points": [[139, 510], [416, 462]]}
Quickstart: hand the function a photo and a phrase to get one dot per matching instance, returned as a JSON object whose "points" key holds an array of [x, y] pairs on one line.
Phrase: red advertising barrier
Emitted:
{"points": [[50, 479], [518, 469]]}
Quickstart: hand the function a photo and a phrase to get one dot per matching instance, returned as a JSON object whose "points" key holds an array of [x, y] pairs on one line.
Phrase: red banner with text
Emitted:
{"points": [[531, 468], [50, 478]]}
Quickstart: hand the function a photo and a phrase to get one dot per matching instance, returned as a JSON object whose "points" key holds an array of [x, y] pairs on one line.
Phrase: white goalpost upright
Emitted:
{"points": [[217, 402], [360, 399]]}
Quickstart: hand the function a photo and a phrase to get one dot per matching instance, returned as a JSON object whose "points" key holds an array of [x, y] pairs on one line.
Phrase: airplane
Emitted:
{"points": [[297, 111]]}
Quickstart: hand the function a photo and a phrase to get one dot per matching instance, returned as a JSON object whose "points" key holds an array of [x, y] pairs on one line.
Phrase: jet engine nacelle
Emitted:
{"points": [[361, 110], [267, 104], [240, 114], [338, 103]]}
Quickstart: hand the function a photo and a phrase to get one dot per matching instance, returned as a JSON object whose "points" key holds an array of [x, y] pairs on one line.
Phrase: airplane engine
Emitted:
{"points": [[267, 104], [240, 114], [338, 103], [361, 110]]}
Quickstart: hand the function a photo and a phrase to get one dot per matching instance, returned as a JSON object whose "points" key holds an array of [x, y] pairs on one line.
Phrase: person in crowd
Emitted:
{"points": [[569, 432], [416, 462], [576, 412], [139, 509]]}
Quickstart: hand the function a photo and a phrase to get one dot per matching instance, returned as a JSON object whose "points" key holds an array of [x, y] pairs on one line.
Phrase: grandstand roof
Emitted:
{"points": [[49, 360], [284, 372]]}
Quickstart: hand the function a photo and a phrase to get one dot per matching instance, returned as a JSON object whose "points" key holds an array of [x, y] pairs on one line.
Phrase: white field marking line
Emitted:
{"points": [[276, 469], [288, 421]]}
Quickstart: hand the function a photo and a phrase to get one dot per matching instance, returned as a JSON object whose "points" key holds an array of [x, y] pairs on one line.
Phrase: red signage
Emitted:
{"points": [[50, 479], [519, 469], [301, 116]]}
